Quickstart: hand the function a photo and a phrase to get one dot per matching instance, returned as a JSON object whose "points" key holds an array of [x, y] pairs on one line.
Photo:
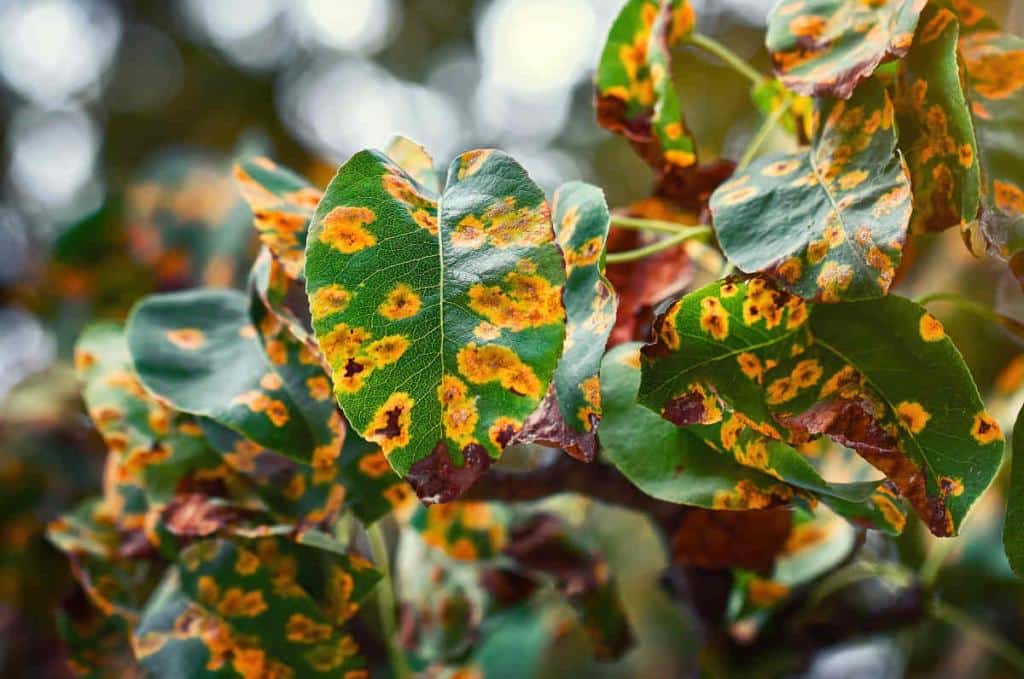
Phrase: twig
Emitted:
{"points": [[386, 601]]}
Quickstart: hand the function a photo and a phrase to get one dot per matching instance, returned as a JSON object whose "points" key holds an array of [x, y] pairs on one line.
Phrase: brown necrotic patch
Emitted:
{"points": [[852, 422], [436, 478], [697, 406]]}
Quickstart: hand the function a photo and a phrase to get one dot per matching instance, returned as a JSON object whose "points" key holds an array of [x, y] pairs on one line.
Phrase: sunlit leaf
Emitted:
{"points": [[936, 133], [878, 376], [827, 47], [635, 94], [581, 224], [827, 223], [442, 318]]}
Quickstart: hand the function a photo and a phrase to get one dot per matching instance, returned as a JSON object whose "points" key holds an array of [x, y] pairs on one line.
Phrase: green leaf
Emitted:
{"points": [[994, 63], [878, 376], [1013, 527], [570, 415], [441, 318], [416, 162], [635, 94], [152, 448], [282, 203], [827, 223], [262, 606], [936, 133], [725, 464], [827, 47], [199, 351]]}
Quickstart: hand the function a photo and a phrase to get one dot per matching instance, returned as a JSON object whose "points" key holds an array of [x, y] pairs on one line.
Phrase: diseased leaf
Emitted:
{"points": [[1013, 527], [827, 47], [827, 223], [635, 94], [199, 351], [936, 133], [572, 410], [995, 77], [282, 203], [878, 376], [249, 606], [442, 319], [416, 162]]}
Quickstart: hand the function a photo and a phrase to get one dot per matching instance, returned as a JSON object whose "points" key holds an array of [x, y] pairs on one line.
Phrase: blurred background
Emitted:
{"points": [[120, 122]]}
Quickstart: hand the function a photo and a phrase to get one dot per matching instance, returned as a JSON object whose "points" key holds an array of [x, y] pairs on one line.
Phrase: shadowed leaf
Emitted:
{"points": [[827, 223], [1013, 527]]}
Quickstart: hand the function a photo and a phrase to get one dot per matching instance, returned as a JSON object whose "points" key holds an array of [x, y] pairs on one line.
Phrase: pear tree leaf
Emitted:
{"points": [[441, 317], [877, 376], [1013, 527], [828, 47], [827, 223]]}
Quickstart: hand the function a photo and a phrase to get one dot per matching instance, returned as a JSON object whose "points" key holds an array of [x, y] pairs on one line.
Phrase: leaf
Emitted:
{"points": [[282, 203], [152, 448], [723, 465], [198, 351], [936, 132], [994, 63], [441, 318], [635, 94], [827, 223], [570, 415], [877, 376], [1013, 526], [827, 47], [416, 162], [246, 606]]}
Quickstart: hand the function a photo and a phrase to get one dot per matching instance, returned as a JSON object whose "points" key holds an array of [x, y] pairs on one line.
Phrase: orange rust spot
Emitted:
{"points": [[374, 465], [527, 301], [458, 410], [985, 429], [481, 364], [387, 350], [344, 229], [751, 366], [188, 339], [328, 300], [713, 318], [913, 416], [764, 593], [401, 302], [930, 328], [319, 388], [503, 431]]}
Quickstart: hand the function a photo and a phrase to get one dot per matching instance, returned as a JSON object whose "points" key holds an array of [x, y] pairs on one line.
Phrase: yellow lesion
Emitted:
{"points": [[328, 300], [714, 319], [482, 364], [748, 496], [790, 270], [833, 279], [886, 504], [503, 430], [389, 427], [667, 327], [343, 229], [237, 603], [374, 465], [486, 331], [1008, 197], [387, 350], [846, 382], [458, 410], [739, 195], [271, 382], [523, 301], [751, 366], [586, 255], [985, 429], [471, 162], [781, 168], [302, 629], [319, 388], [762, 592], [258, 402], [343, 341], [913, 416], [503, 225], [781, 390], [402, 302], [930, 328], [188, 339]]}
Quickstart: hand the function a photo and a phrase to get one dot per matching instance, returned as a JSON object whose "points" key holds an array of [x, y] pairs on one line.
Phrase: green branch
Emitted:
{"points": [[981, 633], [764, 131], [683, 234], [736, 62]]}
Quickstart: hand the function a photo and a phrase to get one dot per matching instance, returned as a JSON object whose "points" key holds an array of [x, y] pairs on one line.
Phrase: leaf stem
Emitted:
{"points": [[764, 131], [657, 225], [736, 62], [692, 232], [988, 638], [386, 601]]}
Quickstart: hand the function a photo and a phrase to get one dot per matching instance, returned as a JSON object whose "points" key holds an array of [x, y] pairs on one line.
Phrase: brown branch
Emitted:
{"points": [[567, 475]]}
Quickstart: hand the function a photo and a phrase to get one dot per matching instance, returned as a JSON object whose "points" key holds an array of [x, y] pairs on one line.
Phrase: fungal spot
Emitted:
{"points": [[503, 225], [522, 301], [319, 388], [697, 406], [667, 331], [985, 430], [846, 382], [458, 410], [852, 179], [886, 504], [751, 366], [276, 352], [471, 162], [790, 270], [833, 280], [503, 430], [389, 427], [387, 350], [931, 329], [738, 196], [401, 302], [913, 416], [586, 255], [951, 486], [271, 382], [714, 320], [188, 339], [781, 168], [344, 229], [327, 300], [763, 593], [301, 629], [488, 363], [1008, 197], [258, 402], [247, 331], [486, 331]]}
